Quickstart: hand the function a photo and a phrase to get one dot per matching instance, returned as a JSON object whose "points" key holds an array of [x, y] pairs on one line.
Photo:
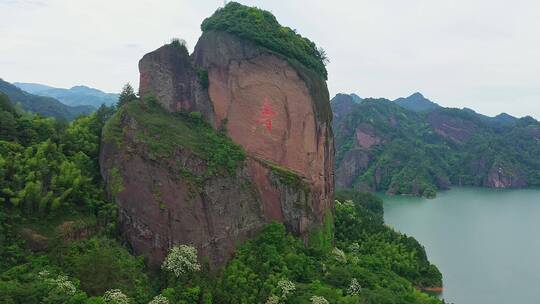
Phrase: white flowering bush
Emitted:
{"points": [[339, 255], [159, 299], [273, 299], [115, 296], [62, 285], [44, 274], [354, 247], [286, 287], [181, 260], [318, 300], [354, 288]]}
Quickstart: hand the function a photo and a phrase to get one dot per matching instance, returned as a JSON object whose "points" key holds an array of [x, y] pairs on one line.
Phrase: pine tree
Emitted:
{"points": [[127, 95]]}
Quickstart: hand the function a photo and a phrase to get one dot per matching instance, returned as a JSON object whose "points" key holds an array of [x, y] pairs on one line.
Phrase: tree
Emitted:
{"points": [[354, 288], [159, 299], [323, 56], [127, 95], [286, 287], [318, 300], [8, 122], [115, 296], [181, 260]]}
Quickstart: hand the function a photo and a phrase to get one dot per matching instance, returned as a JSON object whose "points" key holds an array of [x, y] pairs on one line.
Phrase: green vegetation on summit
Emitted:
{"points": [[164, 133], [261, 27]]}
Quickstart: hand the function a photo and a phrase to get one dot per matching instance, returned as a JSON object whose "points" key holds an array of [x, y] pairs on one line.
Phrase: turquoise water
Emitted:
{"points": [[485, 242]]}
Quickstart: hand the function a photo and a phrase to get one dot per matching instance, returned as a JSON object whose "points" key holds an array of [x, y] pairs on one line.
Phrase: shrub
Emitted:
{"points": [[159, 299], [203, 78], [102, 264], [354, 288], [181, 260], [286, 287], [115, 296], [318, 300]]}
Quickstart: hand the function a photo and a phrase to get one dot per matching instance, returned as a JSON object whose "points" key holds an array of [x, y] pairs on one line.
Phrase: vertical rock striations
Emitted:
{"points": [[177, 179]]}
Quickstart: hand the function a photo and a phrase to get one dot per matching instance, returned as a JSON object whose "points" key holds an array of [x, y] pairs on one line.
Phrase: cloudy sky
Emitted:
{"points": [[482, 54]]}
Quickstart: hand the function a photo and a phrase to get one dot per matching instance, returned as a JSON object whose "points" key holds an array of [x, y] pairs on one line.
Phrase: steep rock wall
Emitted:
{"points": [[276, 110]]}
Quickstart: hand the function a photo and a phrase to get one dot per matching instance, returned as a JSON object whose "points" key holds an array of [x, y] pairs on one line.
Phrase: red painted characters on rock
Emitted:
{"points": [[266, 115]]}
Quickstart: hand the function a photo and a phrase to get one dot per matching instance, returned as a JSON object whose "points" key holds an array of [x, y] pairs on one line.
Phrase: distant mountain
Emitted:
{"points": [[76, 96], [356, 98], [46, 106], [502, 119], [416, 102], [382, 146], [506, 118], [32, 88], [343, 103]]}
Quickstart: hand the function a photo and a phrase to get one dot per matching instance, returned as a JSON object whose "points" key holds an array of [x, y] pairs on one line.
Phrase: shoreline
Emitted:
{"points": [[432, 289]]}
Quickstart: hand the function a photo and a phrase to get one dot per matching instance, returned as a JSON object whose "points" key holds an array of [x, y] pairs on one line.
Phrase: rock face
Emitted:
{"points": [[342, 104], [499, 177], [455, 128], [162, 204], [168, 74], [277, 112]]}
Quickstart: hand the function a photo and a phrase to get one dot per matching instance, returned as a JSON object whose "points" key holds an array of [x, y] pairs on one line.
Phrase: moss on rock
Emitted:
{"points": [[322, 238], [112, 130], [164, 133], [116, 181]]}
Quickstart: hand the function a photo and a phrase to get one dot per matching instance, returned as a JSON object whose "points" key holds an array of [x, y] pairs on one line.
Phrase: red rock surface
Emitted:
{"points": [[268, 108], [457, 129], [366, 138], [278, 113]]}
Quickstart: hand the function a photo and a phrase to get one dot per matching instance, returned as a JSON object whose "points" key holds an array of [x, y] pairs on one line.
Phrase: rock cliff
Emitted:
{"points": [[223, 142]]}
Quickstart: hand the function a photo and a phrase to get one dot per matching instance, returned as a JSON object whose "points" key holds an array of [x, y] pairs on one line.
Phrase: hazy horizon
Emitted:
{"points": [[474, 54]]}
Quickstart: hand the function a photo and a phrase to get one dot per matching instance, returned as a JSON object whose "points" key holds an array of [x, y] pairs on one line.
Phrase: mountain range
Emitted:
{"points": [[45, 106], [414, 146], [75, 96]]}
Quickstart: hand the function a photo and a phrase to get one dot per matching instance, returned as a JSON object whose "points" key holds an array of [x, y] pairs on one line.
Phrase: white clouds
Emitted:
{"points": [[476, 53]]}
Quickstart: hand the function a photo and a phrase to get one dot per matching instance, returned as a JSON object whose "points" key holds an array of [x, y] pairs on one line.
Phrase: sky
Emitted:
{"points": [[480, 54]]}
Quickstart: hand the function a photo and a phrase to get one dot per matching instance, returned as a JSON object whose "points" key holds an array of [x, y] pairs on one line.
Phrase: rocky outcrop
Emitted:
{"points": [[169, 75], [500, 177], [162, 201], [452, 127], [366, 137], [342, 104], [278, 113], [351, 166]]}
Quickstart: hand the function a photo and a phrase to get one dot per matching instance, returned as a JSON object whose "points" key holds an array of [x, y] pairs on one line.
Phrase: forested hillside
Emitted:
{"points": [[382, 146], [45, 106], [59, 241], [75, 96]]}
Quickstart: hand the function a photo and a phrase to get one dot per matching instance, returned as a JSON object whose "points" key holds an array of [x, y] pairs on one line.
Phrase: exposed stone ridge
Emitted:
{"points": [[277, 110], [174, 200]]}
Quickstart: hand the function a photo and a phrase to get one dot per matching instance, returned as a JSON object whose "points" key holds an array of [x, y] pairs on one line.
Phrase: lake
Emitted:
{"points": [[485, 242]]}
